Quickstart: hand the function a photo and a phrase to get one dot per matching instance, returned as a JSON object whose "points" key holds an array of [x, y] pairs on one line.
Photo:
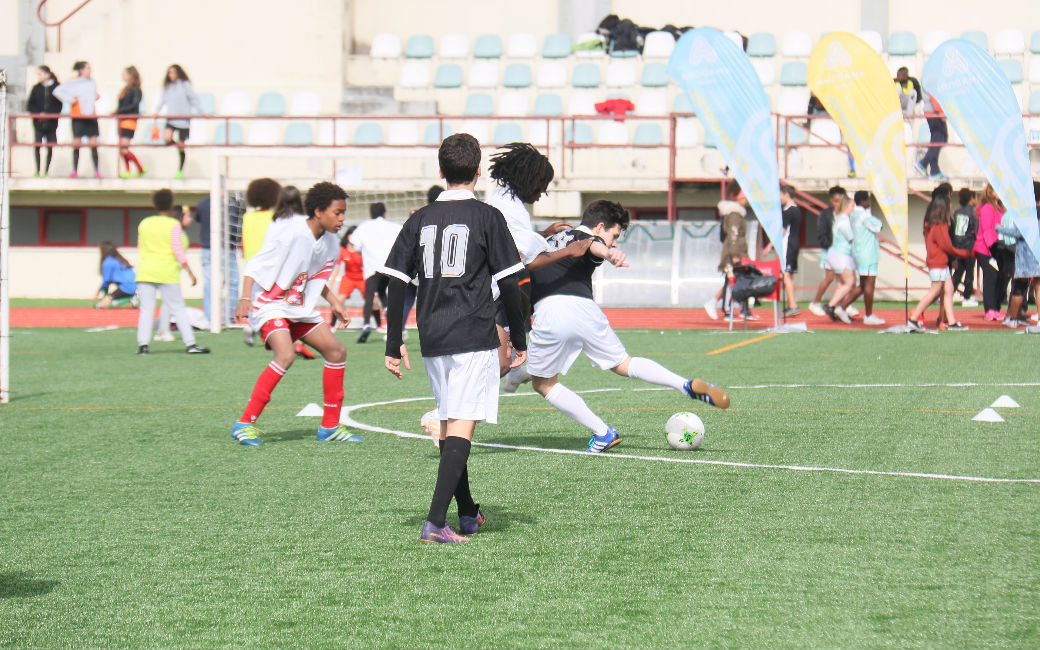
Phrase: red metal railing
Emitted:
{"points": [[58, 24]]}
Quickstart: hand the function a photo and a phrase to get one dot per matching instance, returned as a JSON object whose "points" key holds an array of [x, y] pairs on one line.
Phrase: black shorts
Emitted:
{"points": [[119, 294], [792, 261], [127, 133], [84, 128], [500, 310], [182, 134]]}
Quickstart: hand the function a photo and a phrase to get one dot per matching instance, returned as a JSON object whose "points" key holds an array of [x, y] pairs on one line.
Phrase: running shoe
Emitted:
{"points": [[970, 302], [125, 175], [142, 349], [338, 433], [97, 175], [366, 331], [514, 378], [196, 349], [793, 311], [842, 315], [248, 337], [852, 311], [871, 319], [432, 535], [957, 327], [74, 175], [179, 174], [817, 309], [302, 351], [707, 393], [165, 337], [469, 525], [602, 443], [920, 170], [712, 312], [246, 433], [827, 309]]}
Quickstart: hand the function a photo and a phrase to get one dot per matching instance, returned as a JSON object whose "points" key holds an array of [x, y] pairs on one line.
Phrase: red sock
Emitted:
{"points": [[131, 158], [262, 392], [332, 382]]}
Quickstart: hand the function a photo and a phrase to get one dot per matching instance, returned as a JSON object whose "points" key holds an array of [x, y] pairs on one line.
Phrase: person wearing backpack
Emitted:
{"points": [[824, 230], [963, 231]]}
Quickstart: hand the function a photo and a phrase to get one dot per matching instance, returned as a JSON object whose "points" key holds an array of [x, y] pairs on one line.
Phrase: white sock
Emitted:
{"points": [[654, 373], [568, 403]]}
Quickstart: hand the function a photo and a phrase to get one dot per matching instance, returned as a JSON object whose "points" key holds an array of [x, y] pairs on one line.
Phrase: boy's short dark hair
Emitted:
{"points": [[943, 189], [321, 196], [376, 210], [78, 65], [262, 193], [459, 158], [607, 213], [861, 196], [965, 195], [837, 190], [162, 200], [433, 193], [787, 189]]}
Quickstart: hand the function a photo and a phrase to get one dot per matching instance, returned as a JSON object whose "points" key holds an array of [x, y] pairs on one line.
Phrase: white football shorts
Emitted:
{"points": [[465, 385], [566, 326]]}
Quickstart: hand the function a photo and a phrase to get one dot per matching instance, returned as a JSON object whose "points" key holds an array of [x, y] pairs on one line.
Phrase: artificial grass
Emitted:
{"points": [[130, 518]]}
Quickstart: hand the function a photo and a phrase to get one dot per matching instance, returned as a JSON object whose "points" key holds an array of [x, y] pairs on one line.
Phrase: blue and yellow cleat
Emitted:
{"points": [[707, 393], [340, 433], [246, 433], [602, 443]]}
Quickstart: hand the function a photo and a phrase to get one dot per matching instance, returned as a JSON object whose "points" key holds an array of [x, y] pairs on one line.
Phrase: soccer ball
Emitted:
{"points": [[684, 431], [431, 425]]}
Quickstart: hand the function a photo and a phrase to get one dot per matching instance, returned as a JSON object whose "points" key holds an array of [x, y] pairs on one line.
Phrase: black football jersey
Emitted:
{"points": [[568, 277], [456, 249]]}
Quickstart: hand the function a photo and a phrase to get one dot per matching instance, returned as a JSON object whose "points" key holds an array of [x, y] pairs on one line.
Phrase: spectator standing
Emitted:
{"points": [[115, 269], [909, 89], [791, 216], [128, 109], [839, 259], [938, 248], [963, 232], [42, 100], [733, 213], [178, 97], [866, 251], [989, 212], [938, 136], [824, 235], [81, 94], [1026, 272], [374, 239]]}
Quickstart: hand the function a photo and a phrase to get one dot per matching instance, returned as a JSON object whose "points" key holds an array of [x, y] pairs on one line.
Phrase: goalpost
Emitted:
{"points": [[5, 240]]}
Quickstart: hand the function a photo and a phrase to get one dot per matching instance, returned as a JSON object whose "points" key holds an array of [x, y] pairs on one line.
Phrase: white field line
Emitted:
{"points": [[346, 418]]}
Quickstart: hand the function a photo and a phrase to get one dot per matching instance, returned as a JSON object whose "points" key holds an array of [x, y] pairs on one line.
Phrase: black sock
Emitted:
{"points": [[49, 151], [454, 453], [463, 498], [36, 157], [377, 314], [75, 159], [94, 157], [180, 153]]}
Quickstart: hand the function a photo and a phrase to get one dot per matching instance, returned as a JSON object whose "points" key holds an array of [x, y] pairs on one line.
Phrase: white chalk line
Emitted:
{"points": [[346, 418], [966, 384]]}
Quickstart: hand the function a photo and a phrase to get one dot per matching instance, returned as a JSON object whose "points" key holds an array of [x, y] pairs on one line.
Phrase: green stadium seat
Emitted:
{"points": [[449, 75], [517, 75], [298, 133], [434, 136], [655, 75], [508, 132], [648, 133], [1013, 69], [368, 133], [556, 46], [978, 38], [488, 46], [586, 75], [548, 105], [1034, 42], [1034, 102], [209, 103], [479, 105], [419, 46], [578, 134], [794, 73], [234, 134], [902, 44], [797, 136], [271, 104], [708, 141], [761, 44], [682, 104]]}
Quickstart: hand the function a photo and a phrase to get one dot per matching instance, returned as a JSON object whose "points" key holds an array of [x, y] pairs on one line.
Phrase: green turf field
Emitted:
{"points": [[130, 518]]}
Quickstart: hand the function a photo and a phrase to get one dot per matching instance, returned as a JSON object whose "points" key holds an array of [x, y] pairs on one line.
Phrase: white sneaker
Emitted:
{"points": [[842, 315], [970, 302], [515, 377], [852, 311], [1035, 317], [815, 308], [165, 337], [709, 307], [873, 320]]}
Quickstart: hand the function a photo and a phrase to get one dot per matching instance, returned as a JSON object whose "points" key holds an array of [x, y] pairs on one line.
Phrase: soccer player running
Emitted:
{"points": [[279, 297], [456, 247], [568, 322]]}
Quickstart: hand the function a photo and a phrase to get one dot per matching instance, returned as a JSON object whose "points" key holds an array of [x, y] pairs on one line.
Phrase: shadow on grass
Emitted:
{"points": [[21, 584], [289, 436], [498, 518]]}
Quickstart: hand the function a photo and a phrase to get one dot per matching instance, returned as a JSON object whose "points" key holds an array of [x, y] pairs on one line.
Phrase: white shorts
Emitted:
{"points": [[566, 326], [840, 262], [939, 275], [465, 385]]}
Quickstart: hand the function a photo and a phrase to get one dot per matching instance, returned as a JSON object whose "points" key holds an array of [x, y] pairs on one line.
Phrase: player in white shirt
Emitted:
{"points": [[283, 283], [373, 239]]}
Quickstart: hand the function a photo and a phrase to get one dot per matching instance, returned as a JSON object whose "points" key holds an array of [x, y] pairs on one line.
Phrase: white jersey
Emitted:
{"points": [[374, 239], [290, 272], [529, 243]]}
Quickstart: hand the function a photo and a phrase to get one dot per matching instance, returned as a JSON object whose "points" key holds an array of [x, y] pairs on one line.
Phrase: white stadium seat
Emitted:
{"points": [[1034, 70], [873, 39], [612, 133], [932, 40], [1009, 41], [536, 134], [235, 102], [652, 103], [793, 101], [658, 45], [415, 74], [797, 44], [620, 73], [480, 130], [735, 38], [385, 46], [403, 132], [765, 70], [582, 103], [305, 102], [513, 104], [687, 132], [588, 36], [522, 46], [483, 74], [454, 46], [551, 74], [262, 132], [825, 131]]}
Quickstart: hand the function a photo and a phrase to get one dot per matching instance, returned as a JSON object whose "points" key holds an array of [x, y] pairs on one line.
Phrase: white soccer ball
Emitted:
{"points": [[431, 426], [685, 431]]}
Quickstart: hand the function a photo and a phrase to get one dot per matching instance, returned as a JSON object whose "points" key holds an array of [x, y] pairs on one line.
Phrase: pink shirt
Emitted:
{"points": [[178, 245], [989, 217]]}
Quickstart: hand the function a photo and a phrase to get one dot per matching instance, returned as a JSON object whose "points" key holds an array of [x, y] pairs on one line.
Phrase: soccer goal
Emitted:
{"points": [[5, 242], [396, 177]]}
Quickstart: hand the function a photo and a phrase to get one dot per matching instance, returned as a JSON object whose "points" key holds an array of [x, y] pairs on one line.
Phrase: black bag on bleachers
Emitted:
{"points": [[625, 37], [751, 283]]}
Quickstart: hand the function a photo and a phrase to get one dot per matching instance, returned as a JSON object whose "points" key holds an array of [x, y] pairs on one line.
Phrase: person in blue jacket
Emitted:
{"points": [[116, 270]]}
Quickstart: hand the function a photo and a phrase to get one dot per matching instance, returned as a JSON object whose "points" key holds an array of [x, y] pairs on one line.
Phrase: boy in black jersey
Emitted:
{"points": [[568, 322], [456, 247]]}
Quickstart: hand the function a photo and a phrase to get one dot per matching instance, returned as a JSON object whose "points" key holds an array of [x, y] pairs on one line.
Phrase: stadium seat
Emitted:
{"points": [[271, 105], [648, 133], [263, 132], [687, 133], [479, 104], [825, 131], [305, 102], [682, 103], [449, 75], [512, 104], [209, 103], [761, 44], [556, 46], [793, 102], [368, 133], [797, 44], [765, 70], [415, 74], [797, 135], [621, 73], [478, 129], [385, 46], [612, 133], [873, 39], [1012, 68], [508, 132], [978, 38], [933, 39], [902, 44], [924, 134], [548, 105], [517, 75], [585, 37], [582, 103], [794, 73], [233, 133], [488, 46], [543, 133], [1034, 42], [298, 134], [403, 132], [325, 132], [523, 46], [419, 46], [1034, 70], [658, 45], [735, 38], [435, 132], [483, 74], [1034, 102], [586, 75], [652, 103], [708, 141], [623, 54], [454, 46], [578, 133], [1009, 42], [655, 75], [235, 103], [551, 74]]}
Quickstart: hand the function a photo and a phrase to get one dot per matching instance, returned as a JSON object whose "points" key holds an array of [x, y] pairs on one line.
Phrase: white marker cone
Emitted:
{"points": [[988, 415], [1004, 402], [309, 411]]}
